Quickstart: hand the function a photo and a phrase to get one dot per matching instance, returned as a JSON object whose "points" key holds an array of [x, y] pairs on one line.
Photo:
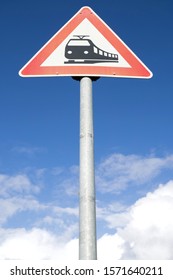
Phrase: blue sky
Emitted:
{"points": [[39, 143]]}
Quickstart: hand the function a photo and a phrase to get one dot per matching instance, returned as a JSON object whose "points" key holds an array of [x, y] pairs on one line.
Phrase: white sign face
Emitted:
{"points": [[80, 37], [85, 46]]}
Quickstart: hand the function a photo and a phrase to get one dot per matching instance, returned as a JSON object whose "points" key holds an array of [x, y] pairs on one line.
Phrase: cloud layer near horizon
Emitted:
{"points": [[147, 234], [39, 210]]}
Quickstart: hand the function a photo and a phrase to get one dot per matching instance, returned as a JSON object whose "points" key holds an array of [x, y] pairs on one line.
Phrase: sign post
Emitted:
{"points": [[86, 48], [87, 207]]}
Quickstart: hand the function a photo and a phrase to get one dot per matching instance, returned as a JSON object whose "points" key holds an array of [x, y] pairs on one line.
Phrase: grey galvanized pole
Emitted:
{"points": [[87, 205]]}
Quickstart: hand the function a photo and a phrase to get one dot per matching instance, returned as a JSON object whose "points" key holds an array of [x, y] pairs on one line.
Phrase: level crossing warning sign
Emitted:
{"points": [[85, 46]]}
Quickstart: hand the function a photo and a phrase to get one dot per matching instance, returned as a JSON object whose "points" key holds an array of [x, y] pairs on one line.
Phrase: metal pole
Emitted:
{"points": [[87, 208]]}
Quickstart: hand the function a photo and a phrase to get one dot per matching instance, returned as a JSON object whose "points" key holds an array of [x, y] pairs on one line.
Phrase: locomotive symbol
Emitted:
{"points": [[82, 50]]}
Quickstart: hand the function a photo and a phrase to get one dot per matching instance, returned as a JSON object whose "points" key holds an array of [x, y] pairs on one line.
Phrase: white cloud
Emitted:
{"points": [[10, 185], [70, 181], [117, 172], [39, 244], [145, 230], [36, 244], [110, 247], [149, 232], [142, 231], [65, 210], [114, 214], [17, 194], [30, 151], [10, 206], [43, 214]]}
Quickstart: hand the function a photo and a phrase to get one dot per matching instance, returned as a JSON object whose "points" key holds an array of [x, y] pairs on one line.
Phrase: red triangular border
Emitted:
{"points": [[33, 68]]}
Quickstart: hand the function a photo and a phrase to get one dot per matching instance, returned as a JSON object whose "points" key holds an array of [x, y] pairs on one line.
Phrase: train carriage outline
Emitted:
{"points": [[80, 49]]}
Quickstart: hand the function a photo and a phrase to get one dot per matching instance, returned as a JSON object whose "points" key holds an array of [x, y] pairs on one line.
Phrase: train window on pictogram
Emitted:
{"points": [[78, 43], [95, 50]]}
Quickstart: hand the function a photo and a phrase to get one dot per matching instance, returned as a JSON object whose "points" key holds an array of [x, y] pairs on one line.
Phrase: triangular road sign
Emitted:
{"points": [[85, 46]]}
